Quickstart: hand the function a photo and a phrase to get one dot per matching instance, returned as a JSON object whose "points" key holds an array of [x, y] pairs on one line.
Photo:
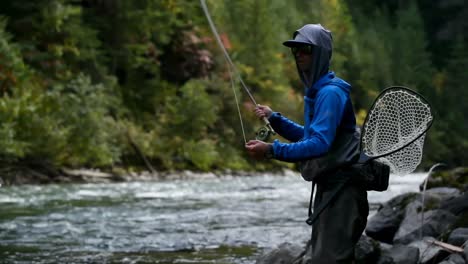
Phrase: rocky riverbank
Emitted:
{"points": [[45, 174], [424, 227]]}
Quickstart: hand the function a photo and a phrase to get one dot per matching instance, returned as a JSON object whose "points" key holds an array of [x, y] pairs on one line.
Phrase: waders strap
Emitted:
{"points": [[313, 217], [311, 199]]}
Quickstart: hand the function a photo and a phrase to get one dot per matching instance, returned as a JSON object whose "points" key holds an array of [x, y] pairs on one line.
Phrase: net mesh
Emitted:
{"points": [[397, 118]]}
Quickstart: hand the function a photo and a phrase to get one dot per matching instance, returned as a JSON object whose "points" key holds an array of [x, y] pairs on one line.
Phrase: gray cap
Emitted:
{"points": [[311, 34]]}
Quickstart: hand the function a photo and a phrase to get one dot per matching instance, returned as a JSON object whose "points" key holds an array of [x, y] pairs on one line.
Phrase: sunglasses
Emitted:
{"points": [[306, 49]]}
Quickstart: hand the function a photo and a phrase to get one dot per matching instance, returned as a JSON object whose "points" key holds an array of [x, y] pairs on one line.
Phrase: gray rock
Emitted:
{"points": [[400, 254], [428, 251], [435, 223], [453, 259], [465, 250], [384, 224], [367, 250], [285, 253], [306, 259], [458, 236], [456, 205], [384, 259], [444, 192]]}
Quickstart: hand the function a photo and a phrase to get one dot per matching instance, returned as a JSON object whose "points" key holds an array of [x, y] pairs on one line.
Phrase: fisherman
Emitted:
{"points": [[328, 115]]}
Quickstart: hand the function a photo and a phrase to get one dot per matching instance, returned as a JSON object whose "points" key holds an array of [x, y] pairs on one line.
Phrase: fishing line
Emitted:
{"points": [[264, 133], [237, 104], [424, 194]]}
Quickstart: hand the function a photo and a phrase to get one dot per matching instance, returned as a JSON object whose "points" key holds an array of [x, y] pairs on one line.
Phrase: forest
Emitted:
{"points": [[138, 85]]}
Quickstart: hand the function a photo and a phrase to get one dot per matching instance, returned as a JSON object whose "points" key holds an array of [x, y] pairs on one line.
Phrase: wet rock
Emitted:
{"points": [[385, 260], [435, 222], [385, 223], [284, 254], [465, 250], [458, 236], [428, 251], [399, 254], [457, 205], [306, 258], [367, 250], [444, 192], [454, 259]]}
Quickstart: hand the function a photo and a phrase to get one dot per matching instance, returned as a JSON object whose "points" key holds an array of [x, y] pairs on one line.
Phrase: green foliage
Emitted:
{"points": [[448, 142], [22, 129], [202, 154], [82, 114], [13, 70], [54, 38], [112, 83], [191, 127], [411, 61], [371, 65], [193, 112]]}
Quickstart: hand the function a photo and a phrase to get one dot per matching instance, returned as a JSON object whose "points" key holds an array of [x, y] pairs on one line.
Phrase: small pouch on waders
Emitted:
{"points": [[373, 175], [343, 152]]}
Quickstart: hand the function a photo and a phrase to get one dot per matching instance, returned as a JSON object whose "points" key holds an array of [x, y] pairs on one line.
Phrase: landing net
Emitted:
{"points": [[395, 127]]}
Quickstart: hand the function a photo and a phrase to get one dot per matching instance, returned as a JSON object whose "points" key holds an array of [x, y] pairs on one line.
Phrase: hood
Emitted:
{"points": [[321, 40]]}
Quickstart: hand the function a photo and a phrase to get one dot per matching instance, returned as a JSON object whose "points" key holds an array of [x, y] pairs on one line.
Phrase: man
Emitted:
{"points": [[328, 115]]}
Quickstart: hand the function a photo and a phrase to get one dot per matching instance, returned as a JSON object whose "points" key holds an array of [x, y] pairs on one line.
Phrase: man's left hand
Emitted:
{"points": [[257, 149]]}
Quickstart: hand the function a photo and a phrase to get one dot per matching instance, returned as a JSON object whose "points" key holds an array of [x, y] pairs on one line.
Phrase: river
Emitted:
{"points": [[201, 220]]}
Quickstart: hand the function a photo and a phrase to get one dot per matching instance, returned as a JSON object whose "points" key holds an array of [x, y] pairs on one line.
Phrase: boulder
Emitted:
{"points": [[428, 251], [399, 254], [367, 250], [456, 205], [384, 224], [454, 259], [444, 193], [285, 253], [384, 259], [435, 222], [458, 236], [465, 250], [306, 258]]}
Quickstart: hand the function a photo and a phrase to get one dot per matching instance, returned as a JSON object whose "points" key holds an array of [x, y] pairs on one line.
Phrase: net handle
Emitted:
{"points": [[367, 158]]}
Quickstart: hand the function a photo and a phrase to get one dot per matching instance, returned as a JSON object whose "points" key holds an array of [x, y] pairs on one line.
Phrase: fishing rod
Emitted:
{"points": [[263, 133]]}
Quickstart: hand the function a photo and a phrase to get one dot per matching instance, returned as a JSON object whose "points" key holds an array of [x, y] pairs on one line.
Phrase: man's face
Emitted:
{"points": [[303, 56]]}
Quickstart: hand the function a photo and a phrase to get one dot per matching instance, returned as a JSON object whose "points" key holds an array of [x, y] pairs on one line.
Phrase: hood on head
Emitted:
{"points": [[322, 41]]}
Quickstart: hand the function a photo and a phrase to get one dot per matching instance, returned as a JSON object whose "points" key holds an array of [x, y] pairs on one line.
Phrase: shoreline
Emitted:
{"points": [[27, 176]]}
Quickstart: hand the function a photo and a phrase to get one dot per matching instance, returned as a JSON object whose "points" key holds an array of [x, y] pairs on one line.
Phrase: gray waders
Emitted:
{"points": [[339, 218], [340, 206]]}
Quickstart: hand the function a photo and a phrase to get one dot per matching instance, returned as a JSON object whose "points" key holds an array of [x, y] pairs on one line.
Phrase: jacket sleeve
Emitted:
{"points": [[286, 128], [328, 111]]}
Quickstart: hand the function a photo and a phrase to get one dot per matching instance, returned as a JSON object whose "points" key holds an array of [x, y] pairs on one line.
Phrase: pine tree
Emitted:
{"points": [[412, 65], [448, 137]]}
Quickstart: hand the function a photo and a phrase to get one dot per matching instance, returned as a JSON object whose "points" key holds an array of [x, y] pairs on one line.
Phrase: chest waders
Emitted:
{"points": [[331, 175], [313, 216], [327, 169]]}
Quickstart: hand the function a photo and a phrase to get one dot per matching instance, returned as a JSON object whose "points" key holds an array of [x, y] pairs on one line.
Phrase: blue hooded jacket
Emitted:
{"points": [[327, 104]]}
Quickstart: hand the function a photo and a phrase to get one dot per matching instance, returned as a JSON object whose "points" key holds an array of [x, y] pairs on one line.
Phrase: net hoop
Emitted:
{"points": [[421, 101]]}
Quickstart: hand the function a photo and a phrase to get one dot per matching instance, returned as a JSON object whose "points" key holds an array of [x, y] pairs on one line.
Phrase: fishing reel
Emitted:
{"points": [[265, 133]]}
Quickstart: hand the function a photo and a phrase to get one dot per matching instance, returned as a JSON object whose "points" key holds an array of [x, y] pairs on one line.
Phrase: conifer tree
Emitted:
{"points": [[412, 66]]}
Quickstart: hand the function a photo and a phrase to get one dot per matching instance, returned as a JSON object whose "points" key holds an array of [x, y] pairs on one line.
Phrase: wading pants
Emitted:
{"points": [[340, 225]]}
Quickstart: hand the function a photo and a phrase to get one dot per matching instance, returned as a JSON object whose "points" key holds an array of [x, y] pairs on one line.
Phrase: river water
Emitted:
{"points": [[202, 220]]}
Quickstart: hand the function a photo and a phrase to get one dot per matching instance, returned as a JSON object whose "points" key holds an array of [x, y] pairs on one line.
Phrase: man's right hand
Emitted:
{"points": [[262, 111]]}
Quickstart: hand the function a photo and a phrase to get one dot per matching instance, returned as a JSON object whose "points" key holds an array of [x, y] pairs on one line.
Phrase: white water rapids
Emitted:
{"points": [[126, 222]]}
